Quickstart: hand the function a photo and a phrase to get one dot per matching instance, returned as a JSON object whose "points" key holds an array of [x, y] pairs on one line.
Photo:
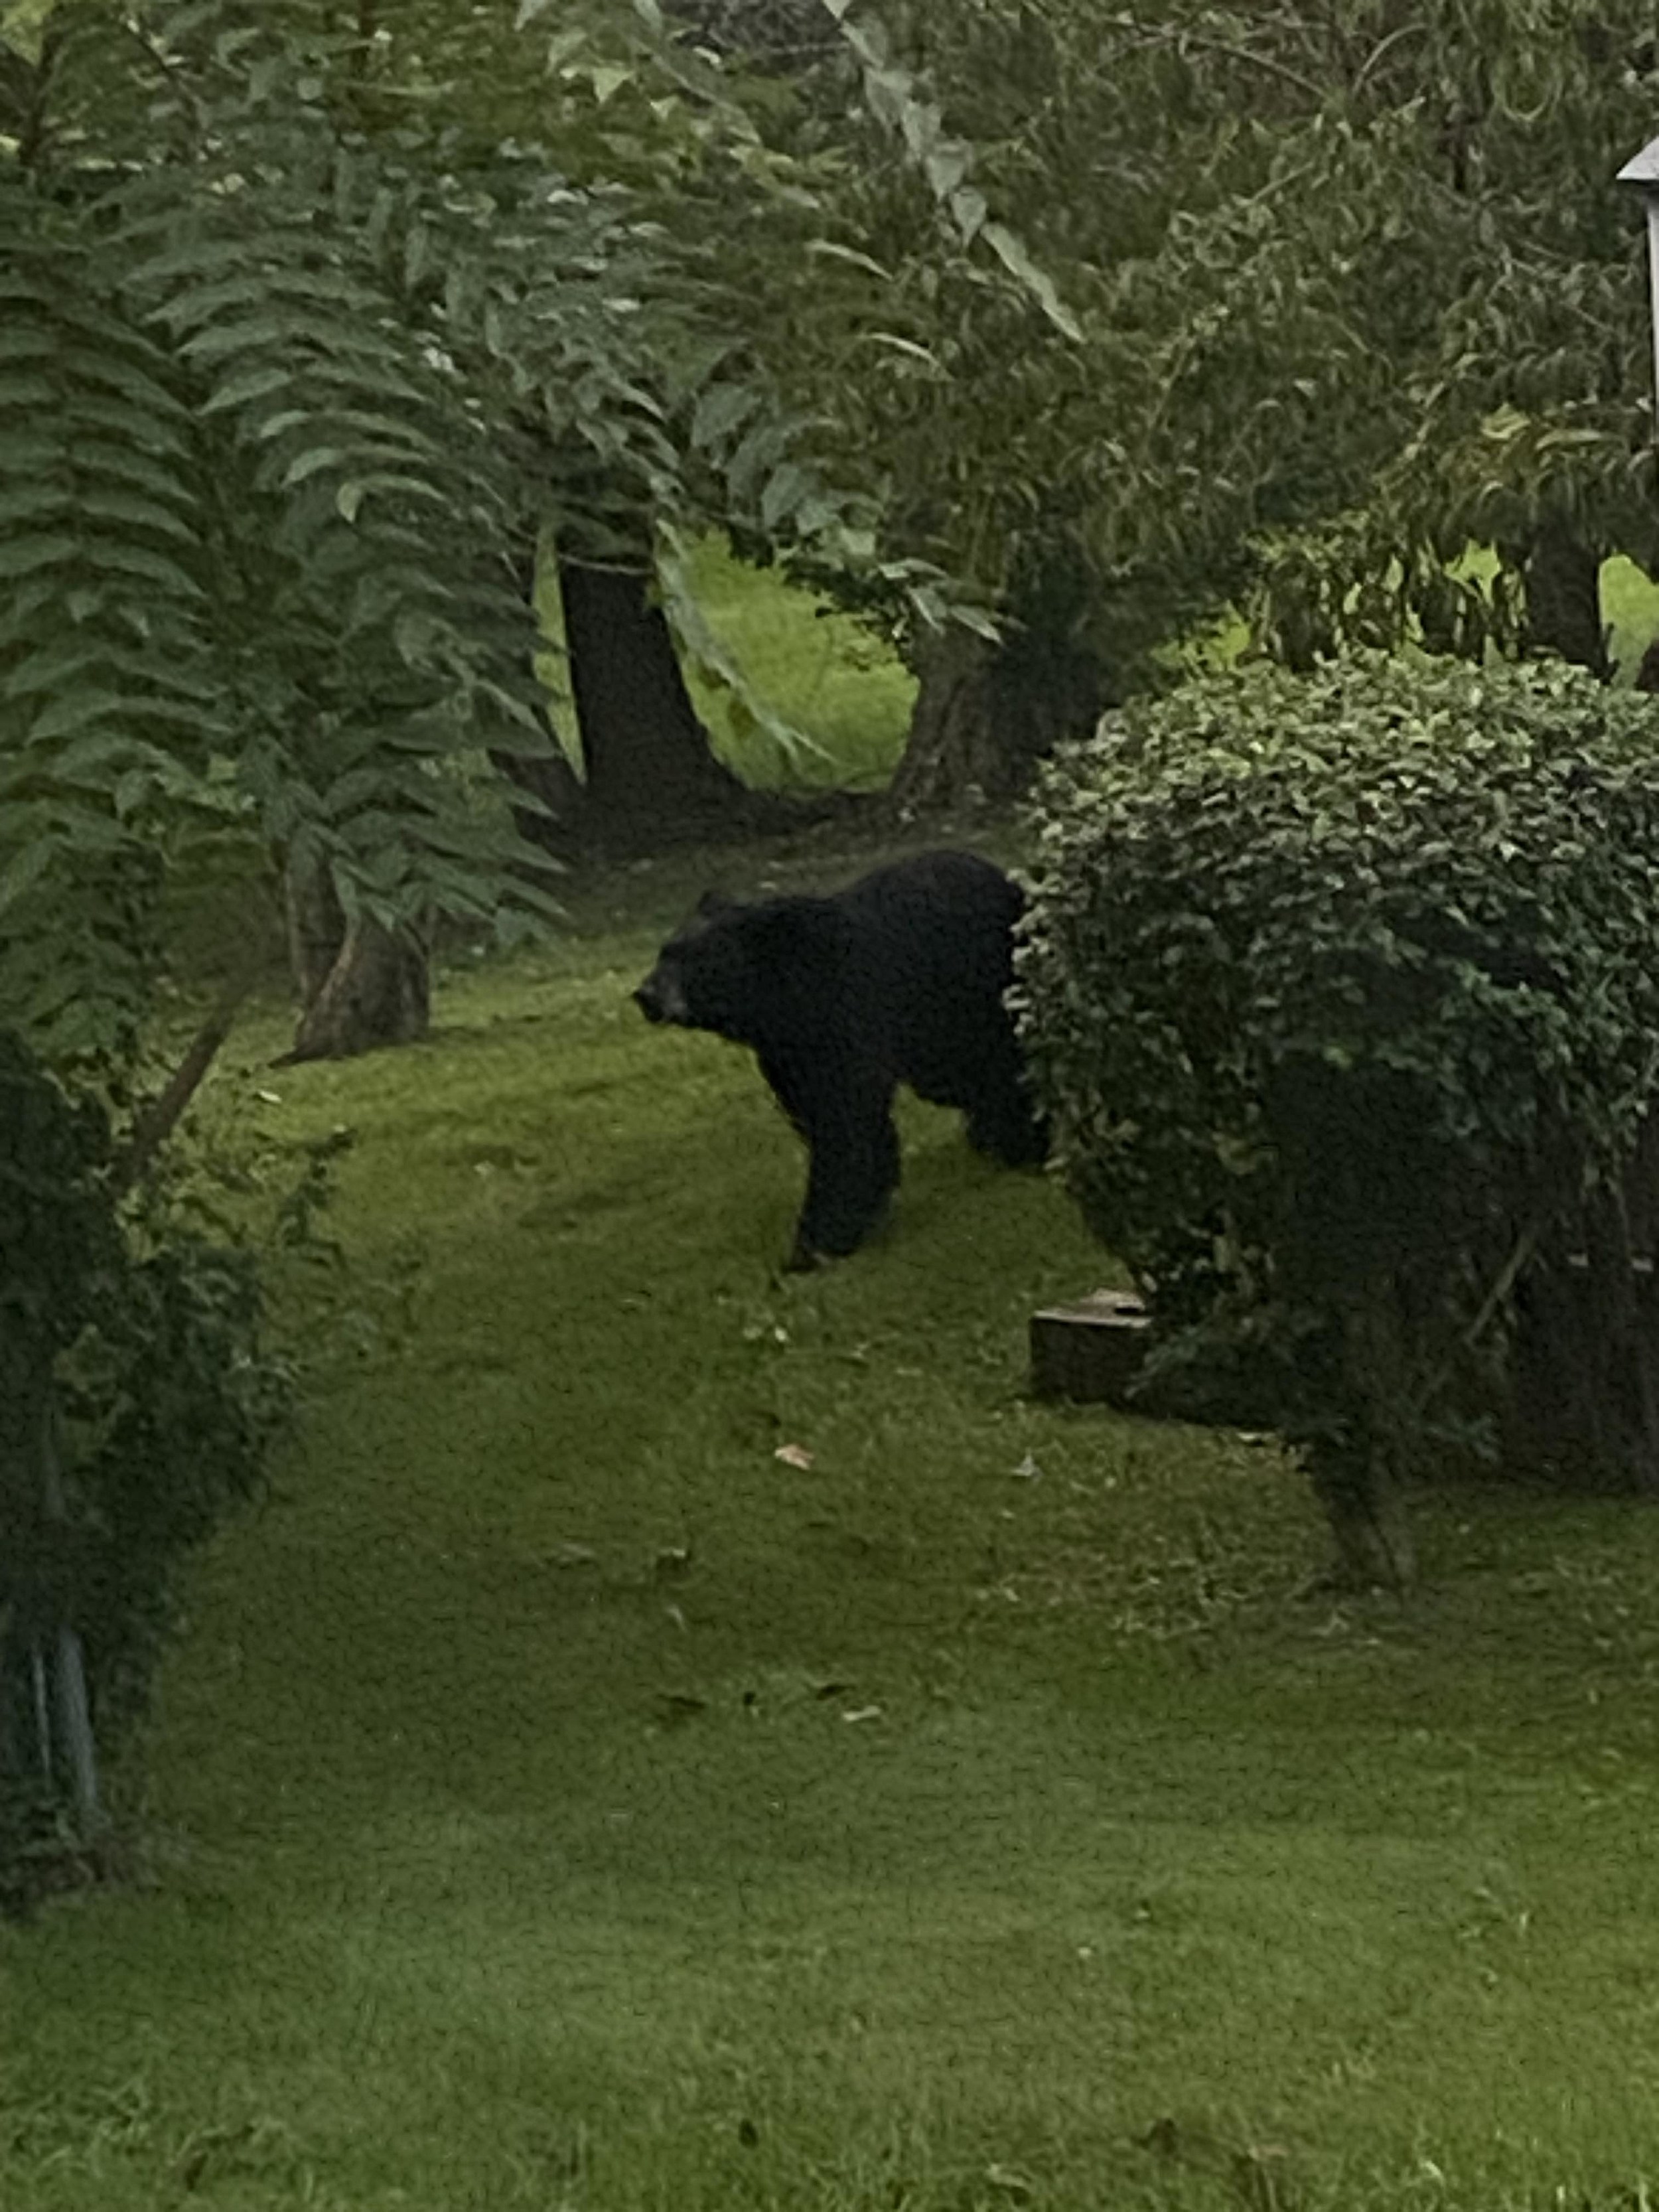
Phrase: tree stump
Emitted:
{"points": [[1091, 1353]]}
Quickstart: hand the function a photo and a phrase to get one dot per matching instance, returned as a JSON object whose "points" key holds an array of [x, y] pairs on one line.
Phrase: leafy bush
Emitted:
{"points": [[136, 1407], [1339, 989]]}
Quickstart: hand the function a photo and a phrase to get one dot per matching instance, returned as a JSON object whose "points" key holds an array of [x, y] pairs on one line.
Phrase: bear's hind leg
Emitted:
{"points": [[1003, 1125]]}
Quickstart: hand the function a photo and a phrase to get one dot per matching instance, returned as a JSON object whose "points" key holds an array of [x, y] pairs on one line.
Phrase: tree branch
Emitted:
{"points": [[1177, 35], [157, 1123]]}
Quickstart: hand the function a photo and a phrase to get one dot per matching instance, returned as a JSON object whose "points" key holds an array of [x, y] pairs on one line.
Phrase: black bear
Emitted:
{"points": [[898, 979]]}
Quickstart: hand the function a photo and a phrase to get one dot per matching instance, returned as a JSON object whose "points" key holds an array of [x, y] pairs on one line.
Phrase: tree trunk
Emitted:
{"points": [[650, 771], [361, 985], [316, 924], [1583, 1400], [986, 714], [1355, 1476], [650, 779], [45, 1714], [1369, 1532], [1563, 579], [952, 747], [156, 1123]]}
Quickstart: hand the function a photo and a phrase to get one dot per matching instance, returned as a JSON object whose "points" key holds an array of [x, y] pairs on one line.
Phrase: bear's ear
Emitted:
{"points": [[713, 904]]}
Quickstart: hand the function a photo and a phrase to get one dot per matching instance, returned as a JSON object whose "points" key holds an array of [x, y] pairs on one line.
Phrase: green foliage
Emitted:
{"points": [[169, 1408], [794, 693], [1363, 578], [109, 715], [1355, 286], [260, 535], [314, 330], [1101, 489], [1515, 316], [1340, 990], [651, 366], [945, 163], [139, 1405], [57, 1238]]}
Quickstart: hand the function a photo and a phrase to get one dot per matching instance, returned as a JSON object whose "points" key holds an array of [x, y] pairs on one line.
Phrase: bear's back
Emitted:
{"points": [[931, 954]]}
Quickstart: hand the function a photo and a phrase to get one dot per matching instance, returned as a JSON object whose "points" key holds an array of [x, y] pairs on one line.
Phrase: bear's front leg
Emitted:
{"points": [[842, 1108], [854, 1171]]}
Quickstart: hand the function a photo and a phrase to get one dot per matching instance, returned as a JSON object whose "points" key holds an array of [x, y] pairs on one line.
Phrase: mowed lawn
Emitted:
{"points": [[560, 1799]]}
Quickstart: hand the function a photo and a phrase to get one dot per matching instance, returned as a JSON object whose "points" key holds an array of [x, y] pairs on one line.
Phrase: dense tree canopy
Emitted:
{"points": [[323, 319], [1356, 286], [317, 319]]}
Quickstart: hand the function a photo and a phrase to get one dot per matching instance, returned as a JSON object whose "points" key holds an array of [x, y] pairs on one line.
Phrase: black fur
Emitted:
{"points": [[897, 979]]}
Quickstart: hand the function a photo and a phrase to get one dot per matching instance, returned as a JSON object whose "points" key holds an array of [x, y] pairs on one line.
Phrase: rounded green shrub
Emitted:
{"points": [[1342, 991]]}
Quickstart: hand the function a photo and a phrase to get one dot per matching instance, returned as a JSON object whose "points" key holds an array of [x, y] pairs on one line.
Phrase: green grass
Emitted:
{"points": [[826, 675], [1630, 607], [560, 1800]]}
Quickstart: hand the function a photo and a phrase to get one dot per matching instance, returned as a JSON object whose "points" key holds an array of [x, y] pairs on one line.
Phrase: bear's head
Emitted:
{"points": [[737, 969]]}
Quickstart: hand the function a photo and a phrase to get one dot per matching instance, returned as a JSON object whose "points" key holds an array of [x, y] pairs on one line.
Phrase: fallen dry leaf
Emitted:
{"points": [[678, 1706], [1010, 2178], [794, 1455]]}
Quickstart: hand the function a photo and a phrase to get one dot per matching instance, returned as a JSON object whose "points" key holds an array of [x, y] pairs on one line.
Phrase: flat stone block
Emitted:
{"points": [[1092, 1352]]}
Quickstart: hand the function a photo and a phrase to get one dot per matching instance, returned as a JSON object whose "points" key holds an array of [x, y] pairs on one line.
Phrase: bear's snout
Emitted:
{"points": [[661, 998]]}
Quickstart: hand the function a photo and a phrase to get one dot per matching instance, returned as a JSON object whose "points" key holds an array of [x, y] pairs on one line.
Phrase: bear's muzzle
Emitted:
{"points": [[660, 999]]}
